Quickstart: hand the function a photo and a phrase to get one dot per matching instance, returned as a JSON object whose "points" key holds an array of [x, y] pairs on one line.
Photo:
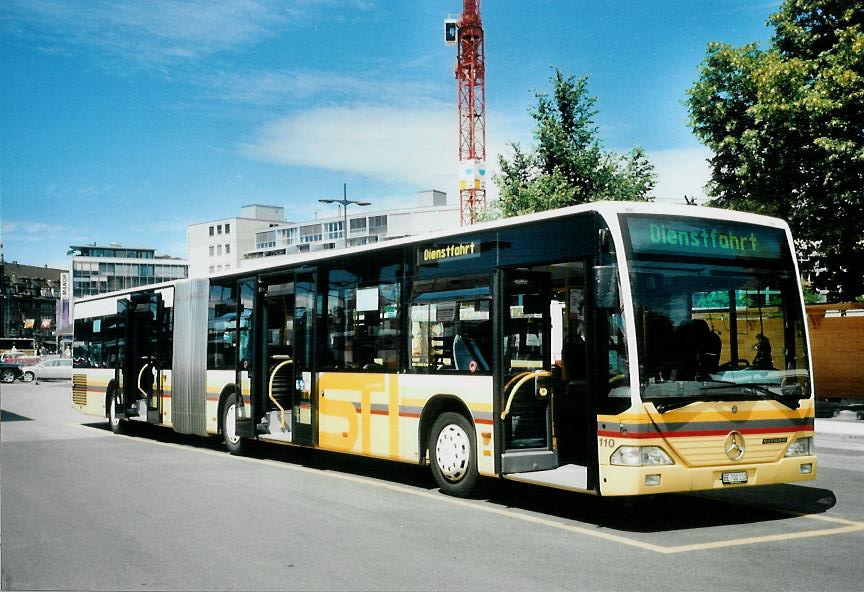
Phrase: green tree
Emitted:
{"points": [[786, 126], [568, 166]]}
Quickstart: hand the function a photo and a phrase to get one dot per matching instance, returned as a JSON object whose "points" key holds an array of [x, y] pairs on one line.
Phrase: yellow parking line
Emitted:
{"points": [[769, 538], [849, 525]]}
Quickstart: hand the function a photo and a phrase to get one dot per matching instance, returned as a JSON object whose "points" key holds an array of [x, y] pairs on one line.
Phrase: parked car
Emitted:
{"points": [[9, 372], [60, 369]]}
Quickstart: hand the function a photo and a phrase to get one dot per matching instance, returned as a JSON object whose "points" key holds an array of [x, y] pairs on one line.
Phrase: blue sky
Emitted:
{"points": [[126, 121]]}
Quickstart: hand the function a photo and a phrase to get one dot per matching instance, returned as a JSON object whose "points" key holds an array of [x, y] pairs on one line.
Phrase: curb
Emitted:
{"points": [[839, 430]]}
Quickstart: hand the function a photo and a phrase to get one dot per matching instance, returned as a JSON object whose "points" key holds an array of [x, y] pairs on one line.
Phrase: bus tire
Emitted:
{"points": [[453, 454], [234, 443], [118, 426]]}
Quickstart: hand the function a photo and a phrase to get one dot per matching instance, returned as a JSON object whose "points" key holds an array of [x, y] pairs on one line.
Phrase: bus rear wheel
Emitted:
{"points": [[118, 426], [453, 454], [234, 443]]}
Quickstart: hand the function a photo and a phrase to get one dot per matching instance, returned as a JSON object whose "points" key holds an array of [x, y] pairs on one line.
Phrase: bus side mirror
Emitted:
{"points": [[606, 287]]}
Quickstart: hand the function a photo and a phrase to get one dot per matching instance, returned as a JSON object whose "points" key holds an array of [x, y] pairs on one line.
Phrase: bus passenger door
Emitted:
{"points": [[303, 409], [140, 364], [283, 381], [526, 393]]}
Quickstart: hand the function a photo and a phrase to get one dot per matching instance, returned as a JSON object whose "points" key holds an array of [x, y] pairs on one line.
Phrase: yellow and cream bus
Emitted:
{"points": [[611, 348]]}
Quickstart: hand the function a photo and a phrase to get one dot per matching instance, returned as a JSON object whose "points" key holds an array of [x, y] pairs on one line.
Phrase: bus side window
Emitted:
{"points": [[363, 325], [451, 330], [222, 326]]}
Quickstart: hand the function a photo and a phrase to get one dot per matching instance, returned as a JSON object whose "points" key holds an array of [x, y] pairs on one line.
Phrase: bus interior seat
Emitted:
{"points": [[465, 351]]}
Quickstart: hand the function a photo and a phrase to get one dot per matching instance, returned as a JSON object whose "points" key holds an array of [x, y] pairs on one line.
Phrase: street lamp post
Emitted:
{"points": [[344, 203]]}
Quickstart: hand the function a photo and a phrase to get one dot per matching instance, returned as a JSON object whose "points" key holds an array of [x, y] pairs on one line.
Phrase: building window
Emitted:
{"points": [[218, 249], [228, 249], [333, 230], [357, 225], [265, 240], [227, 229], [289, 235], [310, 234], [377, 224], [211, 231], [211, 250]]}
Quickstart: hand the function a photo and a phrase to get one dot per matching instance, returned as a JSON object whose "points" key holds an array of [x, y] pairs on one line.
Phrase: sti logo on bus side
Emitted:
{"points": [[703, 239]]}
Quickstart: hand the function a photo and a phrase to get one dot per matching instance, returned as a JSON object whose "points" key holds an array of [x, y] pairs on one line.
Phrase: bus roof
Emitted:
{"points": [[607, 209]]}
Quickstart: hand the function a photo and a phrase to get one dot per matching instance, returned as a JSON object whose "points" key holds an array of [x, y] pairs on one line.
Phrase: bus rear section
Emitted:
{"points": [[724, 390]]}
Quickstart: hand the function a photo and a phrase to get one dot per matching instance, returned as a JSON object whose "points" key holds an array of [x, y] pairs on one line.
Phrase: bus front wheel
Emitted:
{"points": [[453, 454]]}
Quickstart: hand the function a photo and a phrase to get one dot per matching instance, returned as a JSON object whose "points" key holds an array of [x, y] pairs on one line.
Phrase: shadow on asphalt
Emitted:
{"points": [[645, 514], [9, 416]]}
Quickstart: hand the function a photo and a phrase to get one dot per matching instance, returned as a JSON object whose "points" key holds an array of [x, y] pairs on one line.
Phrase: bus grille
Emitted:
{"points": [[707, 451], [79, 389]]}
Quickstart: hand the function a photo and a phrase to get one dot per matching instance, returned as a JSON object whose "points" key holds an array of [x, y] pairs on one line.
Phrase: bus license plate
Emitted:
{"points": [[734, 477]]}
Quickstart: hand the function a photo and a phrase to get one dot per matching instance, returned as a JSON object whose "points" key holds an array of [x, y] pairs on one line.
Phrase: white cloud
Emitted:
{"points": [[414, 146], [159, 31], [278, 87], [403, 146], [680, 172], [14, 230]]}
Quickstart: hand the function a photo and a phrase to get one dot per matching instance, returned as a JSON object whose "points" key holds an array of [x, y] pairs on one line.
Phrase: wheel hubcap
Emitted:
{"points": [[453, 451], [112, 413], [230, 425]]}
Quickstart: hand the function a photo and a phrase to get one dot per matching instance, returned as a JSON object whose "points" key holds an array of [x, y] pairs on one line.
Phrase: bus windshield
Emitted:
{"points": [[717, 310]]}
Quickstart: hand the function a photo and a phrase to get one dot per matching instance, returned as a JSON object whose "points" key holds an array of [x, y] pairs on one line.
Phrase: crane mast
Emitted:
{"points": [[471, 83]]}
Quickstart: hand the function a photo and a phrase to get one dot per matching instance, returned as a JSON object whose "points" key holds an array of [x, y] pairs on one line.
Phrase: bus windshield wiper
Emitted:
{"points": [[732, 392], [757, 389], [676, 403], [670, 403]]}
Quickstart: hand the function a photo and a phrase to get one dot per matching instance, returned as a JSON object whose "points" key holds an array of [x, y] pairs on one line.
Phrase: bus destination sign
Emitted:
{"points": [[707, 238], [440, 253]]}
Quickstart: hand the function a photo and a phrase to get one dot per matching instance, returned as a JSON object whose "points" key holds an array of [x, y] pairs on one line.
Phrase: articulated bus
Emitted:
{"points": [[611, 348]]}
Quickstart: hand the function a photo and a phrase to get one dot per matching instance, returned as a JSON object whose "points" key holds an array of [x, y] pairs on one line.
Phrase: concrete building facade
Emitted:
{"points": [[216, 246], [29, 297], [431, 213], [98, 269]]}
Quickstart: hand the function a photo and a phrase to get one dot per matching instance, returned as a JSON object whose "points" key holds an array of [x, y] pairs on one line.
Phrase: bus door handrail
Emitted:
{"points": [[140, 374], [522, 378], [285, 361]]}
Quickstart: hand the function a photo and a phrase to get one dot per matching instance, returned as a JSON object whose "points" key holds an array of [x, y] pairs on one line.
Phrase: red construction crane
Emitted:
{"points": [[467, 34]]}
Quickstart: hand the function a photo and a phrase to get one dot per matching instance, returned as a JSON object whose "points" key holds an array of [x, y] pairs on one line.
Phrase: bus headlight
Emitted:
{"points": [[800, 447], [639, 456]]}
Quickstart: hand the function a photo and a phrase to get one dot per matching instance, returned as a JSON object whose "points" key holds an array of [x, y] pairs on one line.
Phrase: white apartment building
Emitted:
{"points": [[219, 245], [431, 213]]}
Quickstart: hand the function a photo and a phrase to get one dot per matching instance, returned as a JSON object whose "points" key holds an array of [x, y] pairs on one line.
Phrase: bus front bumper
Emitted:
{"points": [[622, 480]]}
